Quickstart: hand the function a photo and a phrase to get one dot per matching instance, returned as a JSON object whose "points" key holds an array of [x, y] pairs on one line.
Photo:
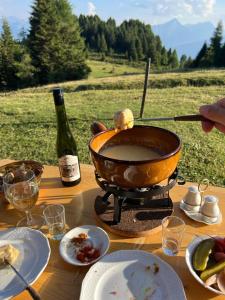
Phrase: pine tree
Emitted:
{"points": [[223, 56], [216, 44], [42, 37], [103, 45], [139, 49], [24, 69], [200, 56], [132, 51], [8, 78], [207, 59], [189, 63], [175, 61], [70, 64], [57, 49], [164, 57], [183, 61]]}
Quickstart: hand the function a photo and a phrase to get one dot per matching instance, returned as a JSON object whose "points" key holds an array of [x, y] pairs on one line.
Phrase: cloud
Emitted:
{"points": [[173, 8], [91, 9]]}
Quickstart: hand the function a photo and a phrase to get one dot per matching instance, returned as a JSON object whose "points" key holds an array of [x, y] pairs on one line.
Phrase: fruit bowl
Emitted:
{"points": [[189, 261]]}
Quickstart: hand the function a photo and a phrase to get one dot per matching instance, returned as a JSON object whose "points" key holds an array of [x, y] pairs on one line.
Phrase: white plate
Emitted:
{"points": [[198, 217], [98, 237], [188, 257], [129, 274], [34, 255]]}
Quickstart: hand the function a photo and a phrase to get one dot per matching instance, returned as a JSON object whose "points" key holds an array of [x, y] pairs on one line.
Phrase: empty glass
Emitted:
{"points": [[21, 190], [55, 219], [172, 233]]}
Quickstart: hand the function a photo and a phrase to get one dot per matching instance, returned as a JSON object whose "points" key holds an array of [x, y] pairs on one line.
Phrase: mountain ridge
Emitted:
{"points": [[175, 35]]}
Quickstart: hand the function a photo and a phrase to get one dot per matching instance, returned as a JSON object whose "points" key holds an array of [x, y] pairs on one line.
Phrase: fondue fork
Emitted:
{"points": [[29, 288], [178, 118]]}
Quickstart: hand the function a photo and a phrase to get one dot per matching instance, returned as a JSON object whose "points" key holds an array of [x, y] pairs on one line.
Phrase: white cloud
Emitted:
{"points": [[91, 9], [173, 8]]}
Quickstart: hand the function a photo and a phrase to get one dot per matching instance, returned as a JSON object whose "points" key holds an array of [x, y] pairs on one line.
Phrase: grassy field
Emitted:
{"points": [[28, 125]]}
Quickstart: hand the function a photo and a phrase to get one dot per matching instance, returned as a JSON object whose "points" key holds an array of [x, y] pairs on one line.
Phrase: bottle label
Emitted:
{"points": [[69, 168]]}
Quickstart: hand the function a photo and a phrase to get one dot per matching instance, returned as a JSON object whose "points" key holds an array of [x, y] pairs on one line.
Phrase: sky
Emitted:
{"points": [[149, 11]]}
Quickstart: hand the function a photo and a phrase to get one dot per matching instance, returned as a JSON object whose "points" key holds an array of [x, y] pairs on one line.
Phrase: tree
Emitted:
{"points": [[132, 52], [56, 48], [173, 59], [183, 61], [42, 38], [8, 78], [103, 45], [216, 44], [223, 56], [164, 57], [139, 49], [200, 56], [24, 69], [189, 63]]}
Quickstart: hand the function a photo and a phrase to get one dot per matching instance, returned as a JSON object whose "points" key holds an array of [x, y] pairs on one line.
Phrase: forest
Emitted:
{"points": [[58, 43]]}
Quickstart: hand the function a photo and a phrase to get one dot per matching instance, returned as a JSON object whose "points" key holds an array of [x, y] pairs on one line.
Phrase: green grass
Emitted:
{"points": [[106, 69], [28, 125]]}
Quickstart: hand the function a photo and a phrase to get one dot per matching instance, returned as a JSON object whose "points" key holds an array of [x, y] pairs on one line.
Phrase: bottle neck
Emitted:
{"points": [[61, 116]]}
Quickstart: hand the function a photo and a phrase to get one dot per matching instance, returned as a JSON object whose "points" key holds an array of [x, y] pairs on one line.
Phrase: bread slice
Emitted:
{"points": [[8, 252]]}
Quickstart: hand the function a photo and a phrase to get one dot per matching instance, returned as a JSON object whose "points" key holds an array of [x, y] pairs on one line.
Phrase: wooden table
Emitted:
{"points": [[61, 281]]}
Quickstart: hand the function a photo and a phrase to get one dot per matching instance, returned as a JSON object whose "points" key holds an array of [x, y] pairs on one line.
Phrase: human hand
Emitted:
{"points": [[215, 113]]}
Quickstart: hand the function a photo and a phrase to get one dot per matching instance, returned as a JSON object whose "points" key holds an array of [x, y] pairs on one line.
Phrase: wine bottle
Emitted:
{"points": [[68, 160]]}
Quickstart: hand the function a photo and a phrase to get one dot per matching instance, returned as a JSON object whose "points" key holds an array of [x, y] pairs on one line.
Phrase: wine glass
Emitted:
{"points": [[21, 190]]}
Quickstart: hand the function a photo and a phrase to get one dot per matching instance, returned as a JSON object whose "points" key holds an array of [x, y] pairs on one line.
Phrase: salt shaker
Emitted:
{"points": [[192, 199], [210, 208]]}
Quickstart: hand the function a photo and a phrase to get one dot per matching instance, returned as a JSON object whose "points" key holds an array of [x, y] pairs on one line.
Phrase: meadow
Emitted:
{"points": [[28, 122]]}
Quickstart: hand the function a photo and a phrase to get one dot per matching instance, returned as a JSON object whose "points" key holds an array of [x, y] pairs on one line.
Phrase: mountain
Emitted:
{"points": [[186, 39], [16, 25]]}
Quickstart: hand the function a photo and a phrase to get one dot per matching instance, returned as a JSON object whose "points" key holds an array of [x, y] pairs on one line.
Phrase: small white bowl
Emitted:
{"points": [[188, 257], [96, 235]]}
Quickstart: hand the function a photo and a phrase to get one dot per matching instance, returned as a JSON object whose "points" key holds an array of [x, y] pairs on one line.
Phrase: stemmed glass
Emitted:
{"points": [[21, 190]]}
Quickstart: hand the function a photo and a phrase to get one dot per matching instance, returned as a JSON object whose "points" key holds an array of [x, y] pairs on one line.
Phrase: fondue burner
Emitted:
{"points": [[134, 212]]}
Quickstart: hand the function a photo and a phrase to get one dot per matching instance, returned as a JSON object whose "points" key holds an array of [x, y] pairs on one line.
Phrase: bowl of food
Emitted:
{"points": [[22, 165], [205, 258], [84, 245], [137, 157]]}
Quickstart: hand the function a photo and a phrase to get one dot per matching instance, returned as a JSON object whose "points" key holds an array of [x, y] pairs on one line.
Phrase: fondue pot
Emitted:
{"points": [[140, 173]]}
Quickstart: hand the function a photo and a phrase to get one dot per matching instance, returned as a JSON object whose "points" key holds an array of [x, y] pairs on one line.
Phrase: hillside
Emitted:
{"points": [[28, 124]]}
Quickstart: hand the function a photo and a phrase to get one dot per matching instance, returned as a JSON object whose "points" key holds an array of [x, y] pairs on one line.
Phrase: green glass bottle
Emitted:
{"points": [[69, 166]]}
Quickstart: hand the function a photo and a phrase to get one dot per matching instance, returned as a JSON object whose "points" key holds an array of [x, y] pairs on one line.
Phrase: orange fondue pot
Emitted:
{"points": [[136, 174]]}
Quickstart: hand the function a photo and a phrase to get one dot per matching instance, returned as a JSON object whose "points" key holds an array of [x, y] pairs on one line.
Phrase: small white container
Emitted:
{"points": [[192, 200], [210, 208]]}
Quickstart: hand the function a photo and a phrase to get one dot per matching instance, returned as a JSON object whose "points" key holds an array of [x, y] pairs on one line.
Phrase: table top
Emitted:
{"points": [[61, 281]]}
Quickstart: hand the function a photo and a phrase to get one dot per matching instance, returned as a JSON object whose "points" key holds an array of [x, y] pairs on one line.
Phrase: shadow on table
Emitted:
{"points": [[63, 281], [51, 183]]}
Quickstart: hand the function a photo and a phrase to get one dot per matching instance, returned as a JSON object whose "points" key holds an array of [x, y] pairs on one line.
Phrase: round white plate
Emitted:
{"points": [[98, 237], [198, 217], [34, 255], [131, 274], [188, 257]]}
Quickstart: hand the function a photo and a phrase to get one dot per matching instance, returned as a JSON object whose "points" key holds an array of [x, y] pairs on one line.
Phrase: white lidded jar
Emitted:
{"points": [[210, 208]]}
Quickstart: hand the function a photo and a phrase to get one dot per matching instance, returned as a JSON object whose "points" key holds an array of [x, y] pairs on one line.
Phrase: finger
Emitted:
{"points": [[214, 113], [220, 127], [207, 126], [221, 102]]}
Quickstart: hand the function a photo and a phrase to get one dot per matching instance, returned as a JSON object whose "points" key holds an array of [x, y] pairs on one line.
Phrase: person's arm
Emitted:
{"points": [[216, 115]]}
